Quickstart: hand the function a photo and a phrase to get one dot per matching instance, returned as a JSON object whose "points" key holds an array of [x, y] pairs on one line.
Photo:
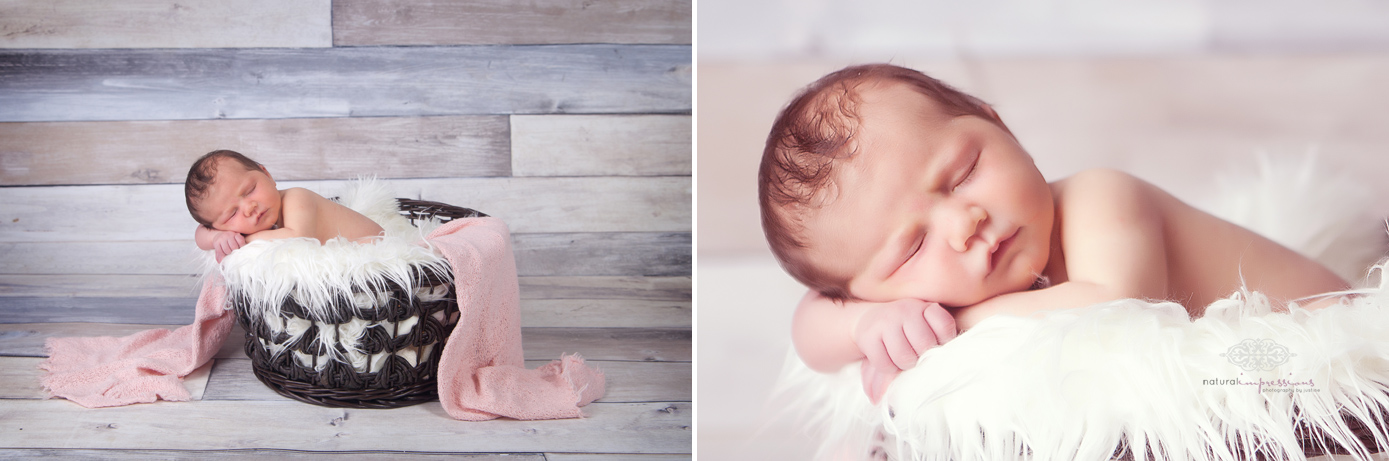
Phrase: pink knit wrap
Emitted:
{"points": [[482, 373]]}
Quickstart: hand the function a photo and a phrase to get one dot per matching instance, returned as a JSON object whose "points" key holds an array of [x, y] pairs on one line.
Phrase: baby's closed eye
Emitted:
{"points": [[968, 172]]}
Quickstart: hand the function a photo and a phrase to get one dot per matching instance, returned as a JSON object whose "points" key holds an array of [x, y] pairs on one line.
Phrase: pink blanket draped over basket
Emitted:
{"points": [[482, 373]]}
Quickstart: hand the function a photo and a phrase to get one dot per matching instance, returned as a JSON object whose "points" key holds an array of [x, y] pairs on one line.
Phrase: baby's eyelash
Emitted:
{"points": [[970, 174], [920, 243]]}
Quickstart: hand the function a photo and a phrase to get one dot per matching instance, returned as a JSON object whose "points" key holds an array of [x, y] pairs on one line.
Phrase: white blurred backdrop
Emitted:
{"points": [[1174, 92]]}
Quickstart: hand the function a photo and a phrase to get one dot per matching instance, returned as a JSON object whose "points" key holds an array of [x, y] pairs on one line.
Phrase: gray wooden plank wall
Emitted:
{"points": [[569, 120]]}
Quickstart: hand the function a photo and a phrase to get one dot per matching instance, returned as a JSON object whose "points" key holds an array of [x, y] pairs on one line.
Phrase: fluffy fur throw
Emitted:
{"points": [[1134, 378], [315, 275], [263, 274]]}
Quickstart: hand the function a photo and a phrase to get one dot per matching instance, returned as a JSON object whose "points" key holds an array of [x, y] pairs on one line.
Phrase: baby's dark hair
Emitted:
{"points": [[808, 138], [202, 173]]}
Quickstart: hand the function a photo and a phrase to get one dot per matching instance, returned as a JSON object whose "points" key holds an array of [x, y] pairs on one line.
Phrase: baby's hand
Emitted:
{"points": [[893, 335], [226, 242]]}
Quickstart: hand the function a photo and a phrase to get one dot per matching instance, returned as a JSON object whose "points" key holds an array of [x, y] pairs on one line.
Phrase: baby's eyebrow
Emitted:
{"points": [[953, 157]]}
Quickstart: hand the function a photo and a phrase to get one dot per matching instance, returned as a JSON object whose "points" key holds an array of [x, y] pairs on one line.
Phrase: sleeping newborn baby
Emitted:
{"points": [[910, 211], [235, 201]]}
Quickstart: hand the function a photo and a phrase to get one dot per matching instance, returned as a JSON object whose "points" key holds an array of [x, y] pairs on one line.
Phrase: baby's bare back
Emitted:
{"points": [[1202, 258], [304, 213], [1208, 256], [336, 220]]}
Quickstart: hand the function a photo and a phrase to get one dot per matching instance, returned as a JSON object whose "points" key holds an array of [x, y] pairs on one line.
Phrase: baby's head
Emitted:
{"points": [[227, 191], [881, 183]]}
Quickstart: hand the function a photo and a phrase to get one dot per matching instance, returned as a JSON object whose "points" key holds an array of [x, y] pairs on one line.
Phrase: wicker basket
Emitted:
{"points": [[1313, 443], [427, 316]]}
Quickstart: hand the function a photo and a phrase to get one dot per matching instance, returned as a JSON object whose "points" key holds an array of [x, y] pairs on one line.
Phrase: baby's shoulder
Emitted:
{"points": [[297, 201], [1105, 194], [1100, 180], [299, 192], [300, 195]]}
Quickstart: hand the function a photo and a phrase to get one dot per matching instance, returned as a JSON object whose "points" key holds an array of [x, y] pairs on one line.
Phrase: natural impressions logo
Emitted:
{"points": [[1268, 386], [1258, 354]]}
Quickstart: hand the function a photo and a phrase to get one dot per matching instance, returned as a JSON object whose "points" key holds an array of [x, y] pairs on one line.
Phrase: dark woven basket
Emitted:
{"points": [[397, 383], [1313, 443]]}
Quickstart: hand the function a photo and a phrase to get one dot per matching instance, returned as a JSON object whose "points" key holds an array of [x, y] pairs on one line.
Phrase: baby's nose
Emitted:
{"points": [[969, 225]]}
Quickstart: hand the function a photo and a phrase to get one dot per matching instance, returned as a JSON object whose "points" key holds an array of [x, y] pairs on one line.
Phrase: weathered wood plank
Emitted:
{"points": [[135, 310], [158, 257], [607, 428], [649, 254], [100, 285], [623, 313], [639, 344], [27, 339], [613, 253], [651, 288], [75, 85], [600, 145], [165, 24], [561, 313], [159, 211], [252, 453], [19, 378], [634, 382], [612, 456], [643, 344], [232, 379], [186, 286], [481, 22], [627, 382], [293, 149]]}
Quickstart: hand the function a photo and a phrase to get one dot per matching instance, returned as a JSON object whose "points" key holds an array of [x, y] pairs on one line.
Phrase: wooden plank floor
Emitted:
{"points": [[647, 409], [570, 120], [193, 84]]}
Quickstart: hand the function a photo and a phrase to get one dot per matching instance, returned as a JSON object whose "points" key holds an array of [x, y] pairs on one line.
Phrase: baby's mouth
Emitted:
{"points": [[1001, 249]]}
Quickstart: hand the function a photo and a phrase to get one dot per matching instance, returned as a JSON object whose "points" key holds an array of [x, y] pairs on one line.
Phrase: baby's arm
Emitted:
{"points": [[890, 336], [224, 242], [1066, 295]]}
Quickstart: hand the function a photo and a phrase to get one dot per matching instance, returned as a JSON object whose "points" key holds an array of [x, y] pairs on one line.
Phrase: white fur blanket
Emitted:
{"points": [[482, 373], [1240, 383], [315, 274]]}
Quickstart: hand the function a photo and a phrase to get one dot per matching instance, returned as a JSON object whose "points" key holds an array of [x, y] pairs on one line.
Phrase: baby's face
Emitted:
{"points": [[241, 200], [932, 207]]}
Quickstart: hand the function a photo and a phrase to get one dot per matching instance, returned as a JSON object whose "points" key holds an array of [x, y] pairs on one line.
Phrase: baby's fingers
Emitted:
{"points": [[919, 334], [875, 382], [941, 322], [901, 352], [875, 352]]}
